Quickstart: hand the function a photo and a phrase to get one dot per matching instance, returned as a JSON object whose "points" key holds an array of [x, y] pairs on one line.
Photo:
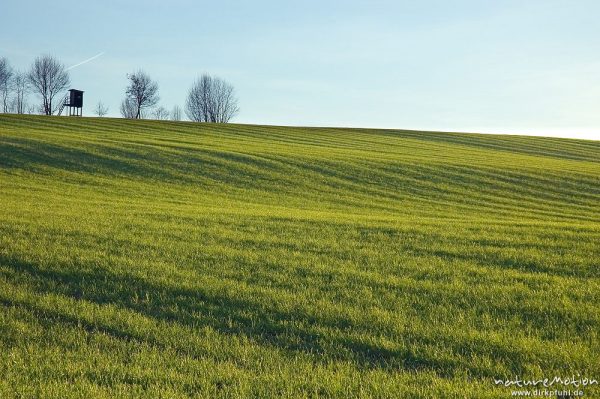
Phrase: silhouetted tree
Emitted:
{"points": [[48, 77], [176, 113], [101, 109], [142, 91], [161, 114], [20, 87], [33, 110], [6, 80], [211, 99], [128, 108]]}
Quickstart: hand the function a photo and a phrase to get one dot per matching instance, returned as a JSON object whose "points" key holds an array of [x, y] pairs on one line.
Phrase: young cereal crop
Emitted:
{"points": [[170, 259]]}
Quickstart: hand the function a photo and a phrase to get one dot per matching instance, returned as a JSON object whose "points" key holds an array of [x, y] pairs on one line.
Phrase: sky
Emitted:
{"points": [[517, 67]]}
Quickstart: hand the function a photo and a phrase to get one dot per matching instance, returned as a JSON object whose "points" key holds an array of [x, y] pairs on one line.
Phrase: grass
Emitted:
{"points": [[165, 259]]}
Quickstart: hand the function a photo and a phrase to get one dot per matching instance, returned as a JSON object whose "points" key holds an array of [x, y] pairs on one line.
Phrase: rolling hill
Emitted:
{"points": [[173, 259]]}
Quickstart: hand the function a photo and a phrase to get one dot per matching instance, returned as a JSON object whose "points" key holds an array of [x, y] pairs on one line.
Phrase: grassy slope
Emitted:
{"points": [[144, 258]]}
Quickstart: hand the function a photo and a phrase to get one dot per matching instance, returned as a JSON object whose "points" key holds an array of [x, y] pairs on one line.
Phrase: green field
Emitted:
{"points": [[172, 259]]}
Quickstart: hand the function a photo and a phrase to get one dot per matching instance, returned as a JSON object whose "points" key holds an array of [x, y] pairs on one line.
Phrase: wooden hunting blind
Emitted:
{"points": [[73, 100], [76, 98]]}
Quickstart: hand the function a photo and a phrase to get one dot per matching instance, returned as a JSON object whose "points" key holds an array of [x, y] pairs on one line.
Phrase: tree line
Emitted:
{"points": [[209, 99]]}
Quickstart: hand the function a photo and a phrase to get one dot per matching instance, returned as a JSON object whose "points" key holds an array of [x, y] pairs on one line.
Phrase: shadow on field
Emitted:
{"points": [[171, 164], [21, 153], [493, 258], [260, 322]]}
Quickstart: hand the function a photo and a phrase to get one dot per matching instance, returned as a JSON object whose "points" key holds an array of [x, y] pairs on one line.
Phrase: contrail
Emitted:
{"points": [[86, 61]]}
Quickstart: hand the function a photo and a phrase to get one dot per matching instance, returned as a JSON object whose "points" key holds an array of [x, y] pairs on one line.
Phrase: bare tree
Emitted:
{"points": [[161, 114], [211, 99], [225, 102], [48, 77], [101, 109], [20, 87], [128, 108], [176, 113], [143, 91], [6, 80], [198, 101], [33, 110]]}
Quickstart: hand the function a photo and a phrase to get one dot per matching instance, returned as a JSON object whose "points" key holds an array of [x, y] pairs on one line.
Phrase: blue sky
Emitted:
{"points": [[528, 67]]}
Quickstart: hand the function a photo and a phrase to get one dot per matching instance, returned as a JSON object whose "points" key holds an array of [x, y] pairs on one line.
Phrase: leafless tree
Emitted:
{"points": [[142, 91], [176, 113], [198, 101], [6, 81], [211, 99], [48, 77], [101, 109], [20, 88], [161, 114], [34, 110], [128, 108]]}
